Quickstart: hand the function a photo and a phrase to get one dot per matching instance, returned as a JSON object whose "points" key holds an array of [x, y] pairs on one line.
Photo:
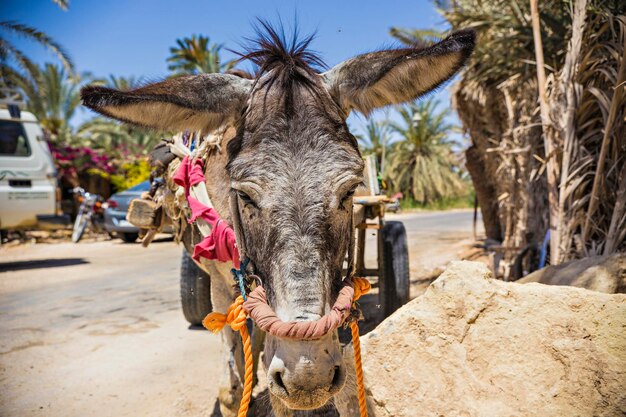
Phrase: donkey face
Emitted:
{"points": [[293, 168]]}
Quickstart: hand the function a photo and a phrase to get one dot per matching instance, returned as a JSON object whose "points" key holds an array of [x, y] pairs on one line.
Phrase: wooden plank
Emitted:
{"points": [[144, 214], [371, 200], [360, 249], [358, 213], [364, 226]]}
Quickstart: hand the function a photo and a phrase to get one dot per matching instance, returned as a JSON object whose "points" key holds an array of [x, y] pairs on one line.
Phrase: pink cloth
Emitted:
{"points": [[221, 243]]}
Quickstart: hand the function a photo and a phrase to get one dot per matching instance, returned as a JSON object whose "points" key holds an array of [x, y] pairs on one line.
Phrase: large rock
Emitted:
{"points": [[475, 346], [597, 273]]}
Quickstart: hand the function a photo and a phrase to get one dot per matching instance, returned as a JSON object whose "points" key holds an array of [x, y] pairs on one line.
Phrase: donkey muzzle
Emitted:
{"points": [[306, 374]]}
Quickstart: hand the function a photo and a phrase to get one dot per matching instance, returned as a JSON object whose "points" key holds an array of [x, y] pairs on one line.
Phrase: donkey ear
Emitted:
{"points": [[196, 102], [394, 76]]}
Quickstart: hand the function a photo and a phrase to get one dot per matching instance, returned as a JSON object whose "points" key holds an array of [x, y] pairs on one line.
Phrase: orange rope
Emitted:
{"points": [[236, 318], [247, 380], [361, 286], [356, 344]]}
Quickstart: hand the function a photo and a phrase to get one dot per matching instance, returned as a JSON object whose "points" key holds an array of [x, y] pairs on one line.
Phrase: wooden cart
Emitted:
{"points": [[392, 267]]}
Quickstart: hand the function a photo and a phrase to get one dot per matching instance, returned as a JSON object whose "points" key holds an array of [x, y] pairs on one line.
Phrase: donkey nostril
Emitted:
{"points": [[338, 378], [278, 380]]}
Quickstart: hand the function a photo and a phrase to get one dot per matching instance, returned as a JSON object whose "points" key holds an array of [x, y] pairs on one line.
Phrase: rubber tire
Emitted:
{"points": [[80, 225], [195, 290], [395, 282], [129, 237]]}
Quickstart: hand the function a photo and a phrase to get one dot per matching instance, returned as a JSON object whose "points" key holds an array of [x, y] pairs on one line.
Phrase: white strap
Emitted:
{"points": [[198, 191]]}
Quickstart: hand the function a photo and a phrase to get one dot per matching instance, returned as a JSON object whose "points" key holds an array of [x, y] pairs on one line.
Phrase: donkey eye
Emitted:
{"points": [[345, 197], [348, 195], [245, 198]]}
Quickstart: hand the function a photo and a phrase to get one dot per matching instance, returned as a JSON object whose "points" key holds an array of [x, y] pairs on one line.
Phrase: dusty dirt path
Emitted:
{"points": [[435, 238], [95, 329]]}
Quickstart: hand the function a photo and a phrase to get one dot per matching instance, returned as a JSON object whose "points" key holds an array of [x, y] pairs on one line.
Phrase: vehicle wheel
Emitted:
{"points": [[129, 237], [195, 290], [393, 255], [80, 225]]}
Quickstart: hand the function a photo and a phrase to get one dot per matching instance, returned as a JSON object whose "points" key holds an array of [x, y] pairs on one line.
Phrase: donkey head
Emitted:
{"points": [[293, 167]]}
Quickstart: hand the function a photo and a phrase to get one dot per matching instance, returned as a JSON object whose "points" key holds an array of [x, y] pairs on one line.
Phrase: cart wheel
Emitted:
{"points": [[195, 290], [393, 258]]}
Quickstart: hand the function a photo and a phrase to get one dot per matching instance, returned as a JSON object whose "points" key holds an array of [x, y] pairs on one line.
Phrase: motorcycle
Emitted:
{"points": [[91, 210]]}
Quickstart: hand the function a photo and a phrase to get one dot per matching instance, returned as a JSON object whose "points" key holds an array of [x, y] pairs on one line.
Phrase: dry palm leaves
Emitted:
{"points": [[497, 101]]}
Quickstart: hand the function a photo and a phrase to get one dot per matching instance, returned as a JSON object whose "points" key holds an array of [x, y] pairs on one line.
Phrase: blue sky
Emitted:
{"points": [[132, 37]]}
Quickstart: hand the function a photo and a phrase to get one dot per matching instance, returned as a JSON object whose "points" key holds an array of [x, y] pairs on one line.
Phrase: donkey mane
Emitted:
{"points": [[287, 76], [273, 51], [283, 61]]}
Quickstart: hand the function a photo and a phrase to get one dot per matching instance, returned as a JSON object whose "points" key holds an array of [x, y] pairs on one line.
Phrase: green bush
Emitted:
{"points": [[132, 173]]}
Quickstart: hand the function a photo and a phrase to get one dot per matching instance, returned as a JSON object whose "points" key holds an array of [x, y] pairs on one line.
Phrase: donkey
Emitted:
{"points": [[292, 166]]}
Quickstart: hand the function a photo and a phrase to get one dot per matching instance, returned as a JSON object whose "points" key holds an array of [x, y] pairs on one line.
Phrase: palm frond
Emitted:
{"points": [[496, 99], [30, 33], [421, 163], [416, 36], [10, 53], [196, 55]]}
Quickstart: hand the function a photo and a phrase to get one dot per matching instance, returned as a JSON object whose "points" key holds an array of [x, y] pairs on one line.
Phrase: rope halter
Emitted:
{"points": [[257, 308]]}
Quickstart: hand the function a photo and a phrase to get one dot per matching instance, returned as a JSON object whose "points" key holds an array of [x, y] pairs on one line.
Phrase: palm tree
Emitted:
{"points": [[422, 163], [197, 55], [123, 83], [103, 133], [53, 96], [117, 139], [113, 137], [14, 64], [497, 101], [375, 140]]}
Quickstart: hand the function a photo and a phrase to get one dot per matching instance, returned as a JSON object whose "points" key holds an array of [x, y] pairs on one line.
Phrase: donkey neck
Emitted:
{"points": [[217, 178]]}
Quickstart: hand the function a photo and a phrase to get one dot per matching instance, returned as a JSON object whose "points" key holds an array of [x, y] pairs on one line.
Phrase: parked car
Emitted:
{"points": [[115, 213], [29, 192]]}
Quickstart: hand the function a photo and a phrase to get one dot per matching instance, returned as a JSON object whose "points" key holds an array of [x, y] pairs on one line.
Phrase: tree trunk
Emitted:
{"points": [[550, 148], [485, 193]]}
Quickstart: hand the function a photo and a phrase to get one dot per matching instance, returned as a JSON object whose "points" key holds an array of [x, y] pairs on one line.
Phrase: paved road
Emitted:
{"points": [[456, 221], [95, 329], [435, 238]]}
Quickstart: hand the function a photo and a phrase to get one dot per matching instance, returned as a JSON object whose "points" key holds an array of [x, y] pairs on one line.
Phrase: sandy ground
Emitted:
{"points": [[95, 328]]}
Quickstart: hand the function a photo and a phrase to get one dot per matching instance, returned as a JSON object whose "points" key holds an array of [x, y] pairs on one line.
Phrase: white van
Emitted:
{"points": [[29, 196]]}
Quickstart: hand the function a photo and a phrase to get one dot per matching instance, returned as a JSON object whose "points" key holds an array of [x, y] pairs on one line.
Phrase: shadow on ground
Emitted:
{"points": [[41, 263], [158, 239]]}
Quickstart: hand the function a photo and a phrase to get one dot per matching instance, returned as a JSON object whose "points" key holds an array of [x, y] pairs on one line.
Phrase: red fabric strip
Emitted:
{"points": [[221, 244]]}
